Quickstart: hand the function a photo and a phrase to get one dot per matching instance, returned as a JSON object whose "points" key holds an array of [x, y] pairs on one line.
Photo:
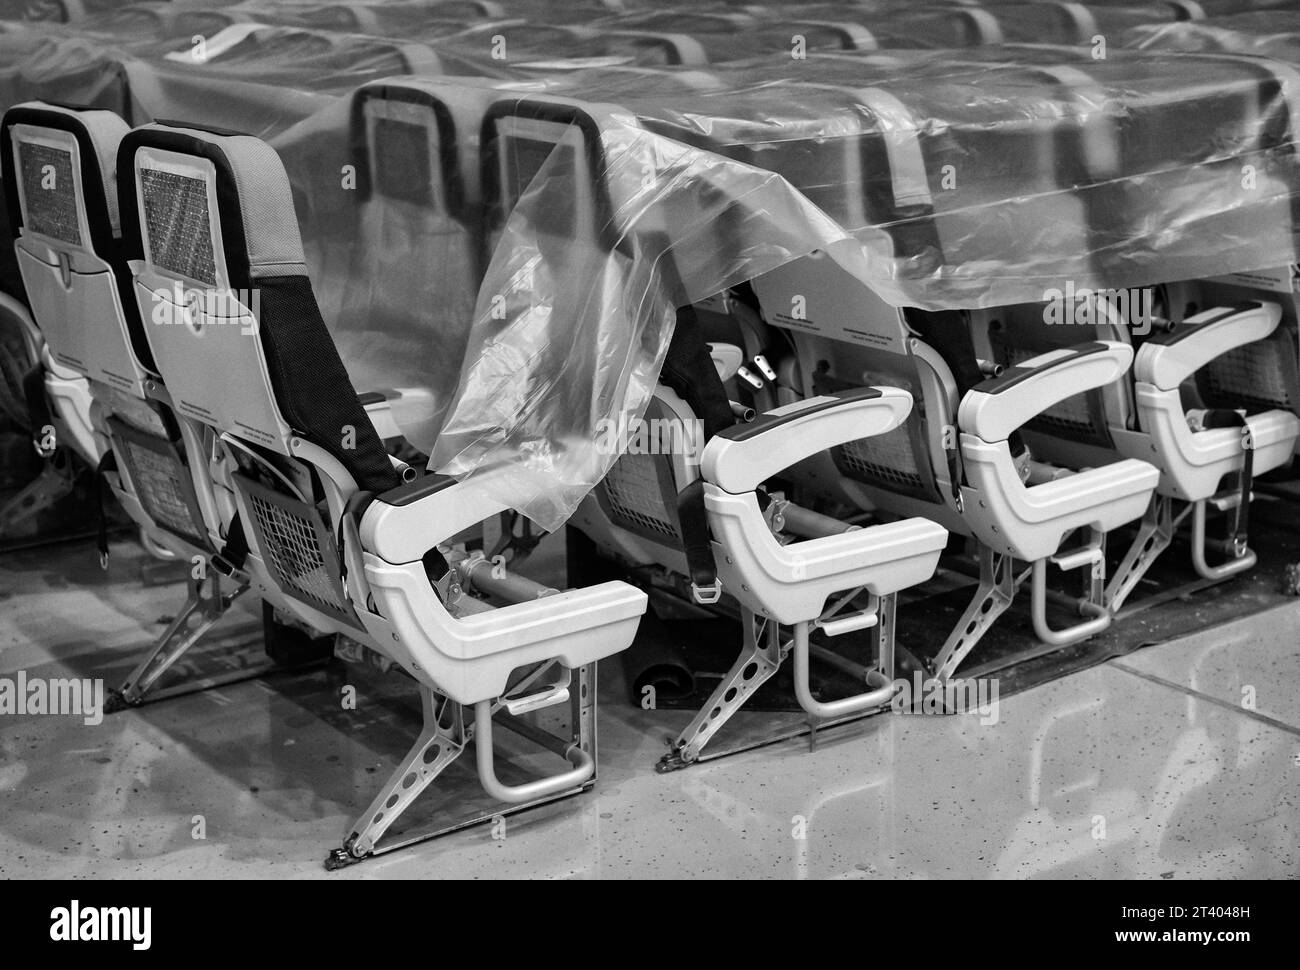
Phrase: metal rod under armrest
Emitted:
{"points": [[826, 710], [584, 768]]}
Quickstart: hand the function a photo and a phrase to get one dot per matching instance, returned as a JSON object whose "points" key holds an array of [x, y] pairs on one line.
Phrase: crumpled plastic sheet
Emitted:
{"points": [[938, 178], [1134, 170]]}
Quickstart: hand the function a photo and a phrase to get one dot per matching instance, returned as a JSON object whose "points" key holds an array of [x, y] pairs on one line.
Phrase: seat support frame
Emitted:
{"points": [[205, 605]]}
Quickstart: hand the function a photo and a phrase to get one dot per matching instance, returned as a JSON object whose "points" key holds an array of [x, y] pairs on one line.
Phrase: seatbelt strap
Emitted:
{"points": [[354, 508], [693, 521], [1228, 418], [689, 370], [954, 465], [38, 409], [234, 553], [107, 463]]}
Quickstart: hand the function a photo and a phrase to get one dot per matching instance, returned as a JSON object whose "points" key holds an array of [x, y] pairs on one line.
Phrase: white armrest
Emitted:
{"points": [[744, 456], [995, 408], [402, 525], [1166, 361]]}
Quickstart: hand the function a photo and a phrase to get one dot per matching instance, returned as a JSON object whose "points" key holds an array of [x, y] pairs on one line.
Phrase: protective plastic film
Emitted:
{"points": [[982, 179], [589, 211], [578, 303]]}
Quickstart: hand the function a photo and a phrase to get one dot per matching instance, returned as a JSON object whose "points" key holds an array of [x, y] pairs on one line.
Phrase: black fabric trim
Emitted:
{"points": [[693, 521], [101, 239], [112, 249], [766, 422], [234, 553], [107, 463], [689, 370], [229, 211], [1169, 338], [312, 387], [38, 404], [912, 228], [449, 157], [563, 114], [1239, 521], [413, 492], [1013, 376]]}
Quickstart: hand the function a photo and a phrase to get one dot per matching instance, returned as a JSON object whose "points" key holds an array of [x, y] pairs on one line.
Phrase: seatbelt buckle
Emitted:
{"points": [[763, 367], [706, 595], [223, 567]]}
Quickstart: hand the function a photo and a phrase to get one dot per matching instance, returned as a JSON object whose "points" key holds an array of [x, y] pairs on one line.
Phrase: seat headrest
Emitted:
{"points": [[217, 206], [538, 125], [395, 160], [71, 156]]}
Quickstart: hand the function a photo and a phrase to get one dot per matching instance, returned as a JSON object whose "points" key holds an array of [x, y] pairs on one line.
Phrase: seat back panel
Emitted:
{"points": [[67, 248]]}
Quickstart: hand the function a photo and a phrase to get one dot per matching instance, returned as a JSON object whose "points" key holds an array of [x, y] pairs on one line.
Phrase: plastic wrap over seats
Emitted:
{"points": [[1000, 210], [698, 464]]}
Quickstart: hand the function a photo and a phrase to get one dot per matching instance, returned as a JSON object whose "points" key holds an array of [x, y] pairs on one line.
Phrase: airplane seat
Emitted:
{"points": [[339, 533]]}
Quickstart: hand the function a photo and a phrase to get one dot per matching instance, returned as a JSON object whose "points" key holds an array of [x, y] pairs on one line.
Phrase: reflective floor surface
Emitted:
{"points": [[1180, 760]]}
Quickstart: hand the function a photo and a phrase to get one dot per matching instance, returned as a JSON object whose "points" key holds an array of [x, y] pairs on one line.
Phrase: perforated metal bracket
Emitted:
{"points": [[204, 607]]}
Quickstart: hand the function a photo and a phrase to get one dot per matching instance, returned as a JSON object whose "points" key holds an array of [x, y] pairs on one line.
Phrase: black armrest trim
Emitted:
{"points": [[1182, 332], [412, 492], [1020, 373], [367, 398], [766, 422]]}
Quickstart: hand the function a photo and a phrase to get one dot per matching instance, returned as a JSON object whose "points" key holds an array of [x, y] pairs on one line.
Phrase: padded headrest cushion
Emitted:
{"points": [[98, 135], [254, 199]]}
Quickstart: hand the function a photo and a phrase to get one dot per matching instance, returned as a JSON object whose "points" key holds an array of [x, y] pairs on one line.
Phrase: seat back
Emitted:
{"points": [[635, 506], [1077, 431], [59, 176], [417, 189], [1259, 376], [60, 167], [246, 350]]}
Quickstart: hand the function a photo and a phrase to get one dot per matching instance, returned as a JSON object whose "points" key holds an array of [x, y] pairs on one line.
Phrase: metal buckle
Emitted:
{"points": [[708, 595]]}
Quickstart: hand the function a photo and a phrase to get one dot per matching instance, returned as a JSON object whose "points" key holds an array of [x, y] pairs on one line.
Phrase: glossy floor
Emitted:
{"points": [[1180, 760]]}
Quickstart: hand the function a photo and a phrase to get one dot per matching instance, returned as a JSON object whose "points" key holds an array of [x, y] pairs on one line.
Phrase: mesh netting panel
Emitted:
{"points": [[292, 549], [161, 484], [49, 192], [886, 460], [176, 217], [636, 498], [1253, 377]]}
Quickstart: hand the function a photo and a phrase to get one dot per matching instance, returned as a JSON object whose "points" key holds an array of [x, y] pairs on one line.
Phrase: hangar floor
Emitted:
{"points": [[1149, 766]]}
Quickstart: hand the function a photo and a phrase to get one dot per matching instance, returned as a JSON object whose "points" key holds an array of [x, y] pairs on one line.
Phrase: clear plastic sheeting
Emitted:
{"points": [[938, 181], [518, 277]]}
